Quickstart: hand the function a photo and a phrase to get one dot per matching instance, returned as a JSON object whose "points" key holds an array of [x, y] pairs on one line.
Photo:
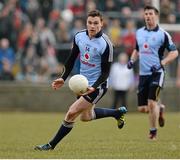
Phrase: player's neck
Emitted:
{"points": [[151, 26]]}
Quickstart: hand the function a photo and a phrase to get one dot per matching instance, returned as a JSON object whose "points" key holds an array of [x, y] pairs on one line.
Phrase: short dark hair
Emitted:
{"points": [[153, 8], [95, 13]]}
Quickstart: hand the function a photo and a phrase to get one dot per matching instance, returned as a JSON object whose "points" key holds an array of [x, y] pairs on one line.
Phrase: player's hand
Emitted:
{"points": [[89, 90], [130, 64], [57, 83], [155, 68]]}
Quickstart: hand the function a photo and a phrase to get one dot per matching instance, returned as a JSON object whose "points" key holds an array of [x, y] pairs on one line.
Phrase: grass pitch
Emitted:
{"points": [[20, 132]]}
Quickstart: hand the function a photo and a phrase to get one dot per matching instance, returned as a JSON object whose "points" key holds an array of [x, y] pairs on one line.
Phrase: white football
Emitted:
{"points": [[78, 84]]}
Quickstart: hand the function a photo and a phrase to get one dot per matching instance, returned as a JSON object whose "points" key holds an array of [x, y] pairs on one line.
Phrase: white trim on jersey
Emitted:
{"points": [[110, 47]]}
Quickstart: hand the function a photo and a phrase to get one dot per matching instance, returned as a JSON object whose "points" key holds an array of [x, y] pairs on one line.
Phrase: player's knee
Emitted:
{"points": [[151, 104], [143, 109], [85, 118], [70, 116]]}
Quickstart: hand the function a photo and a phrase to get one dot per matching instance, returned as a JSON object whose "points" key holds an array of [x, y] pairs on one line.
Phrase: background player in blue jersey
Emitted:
{"points": [[151, 41], [96, 54]]}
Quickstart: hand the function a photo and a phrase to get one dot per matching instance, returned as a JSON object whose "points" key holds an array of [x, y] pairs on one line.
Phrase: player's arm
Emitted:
{"points": [[106, 59], [70, 61], [172, 50], [105, 70], [169, 58], [67, 67], [134, 57]]}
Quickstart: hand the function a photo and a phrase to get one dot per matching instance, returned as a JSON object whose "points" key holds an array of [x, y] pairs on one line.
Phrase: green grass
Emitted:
{"points": [[20, 132]]}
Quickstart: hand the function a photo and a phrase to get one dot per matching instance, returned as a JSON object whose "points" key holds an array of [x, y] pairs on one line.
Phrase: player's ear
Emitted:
{"points": [[102, 23]]}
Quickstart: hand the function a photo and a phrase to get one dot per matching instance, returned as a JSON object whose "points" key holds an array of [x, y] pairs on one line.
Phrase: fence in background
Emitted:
{"points": [[41, 98]]}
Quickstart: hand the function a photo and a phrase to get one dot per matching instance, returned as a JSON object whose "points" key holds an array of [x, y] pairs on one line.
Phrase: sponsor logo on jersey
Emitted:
{"points": [[146, 46], [86, 56], [146, 49]]}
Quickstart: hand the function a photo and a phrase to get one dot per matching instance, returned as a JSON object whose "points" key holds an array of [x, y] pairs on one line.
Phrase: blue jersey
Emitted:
{"points": [[151, 45], [96, 55], [92, 53]]}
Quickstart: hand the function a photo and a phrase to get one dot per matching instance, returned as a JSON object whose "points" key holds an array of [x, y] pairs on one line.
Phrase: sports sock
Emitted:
{"points": [[62, 132], [153, 131], [106, 112]]}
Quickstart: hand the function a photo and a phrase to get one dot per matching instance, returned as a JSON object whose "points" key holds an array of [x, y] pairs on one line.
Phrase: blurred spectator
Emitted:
{"points": [[28, 24], [176, 38], [110, 5], [128, 36], [45, 7], [62, 33], [53, 19], [32, 10], [60, 5], [121, 80], [91, 5], [171, 19], [50, 60], [78, 26], [39, 25], [114, 31], [43, 33], [30, 65], [166, 9], [126, 14], [140, 19], [11, 18], [76, 6], [46, 34], [123, 3], [7, 59], [146, 2], [24, 35]]}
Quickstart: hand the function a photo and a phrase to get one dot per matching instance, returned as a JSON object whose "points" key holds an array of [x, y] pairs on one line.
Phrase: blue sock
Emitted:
{"points": [[153, 131], [106, 112], [62, 132]]}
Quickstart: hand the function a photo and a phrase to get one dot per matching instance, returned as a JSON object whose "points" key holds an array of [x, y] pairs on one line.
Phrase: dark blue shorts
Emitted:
{"points": [[149, 87], [95, 96]]}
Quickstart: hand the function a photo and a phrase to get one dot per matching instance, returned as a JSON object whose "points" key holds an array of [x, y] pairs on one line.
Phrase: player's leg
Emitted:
{"points": [[145, 106], [143, 109], [156, 84], [74, 111], [153, 118], [153, 110], [97, 113], [88, 114], [161, 114], [142, 95], [160, 80]]}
